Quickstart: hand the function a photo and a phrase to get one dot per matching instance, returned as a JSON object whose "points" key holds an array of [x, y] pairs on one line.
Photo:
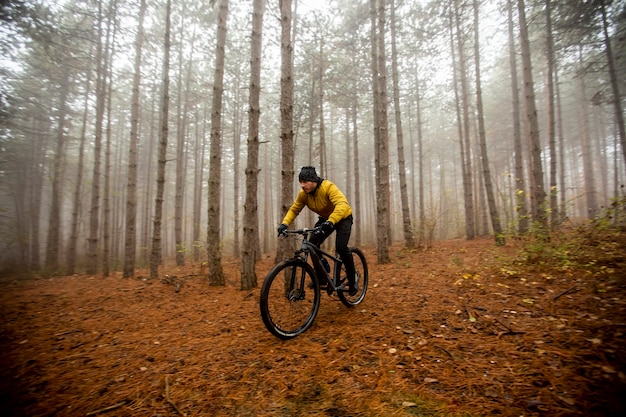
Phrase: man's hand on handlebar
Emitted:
{"points": [[325, 228], [282, 230]]}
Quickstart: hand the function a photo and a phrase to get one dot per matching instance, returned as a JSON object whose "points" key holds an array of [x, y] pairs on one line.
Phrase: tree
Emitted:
{"points": [[54, 222], [409, 240], [251, 244], [554, 207], [286, 118], [519, 191], [130, 241], [464, 128], [94, 215], [156, 249], [76, 204], [617, 98], [216, 273], [184, 80], [537, 194], [491, 199], [381, 128]]}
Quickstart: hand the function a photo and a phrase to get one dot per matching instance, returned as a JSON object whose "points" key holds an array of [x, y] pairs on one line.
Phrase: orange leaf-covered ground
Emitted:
{"points": [[443, 332]]}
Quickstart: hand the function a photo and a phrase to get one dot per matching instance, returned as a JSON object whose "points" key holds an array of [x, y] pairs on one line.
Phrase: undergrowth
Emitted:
{"points": [[597, 247]]}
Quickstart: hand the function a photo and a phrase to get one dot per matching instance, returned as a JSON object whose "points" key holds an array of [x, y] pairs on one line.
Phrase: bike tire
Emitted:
{"points": [[290, 298], [360, 266]]}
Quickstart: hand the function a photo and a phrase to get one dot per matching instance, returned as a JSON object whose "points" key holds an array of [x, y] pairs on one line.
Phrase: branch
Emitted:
{"points": [[567, 291]]}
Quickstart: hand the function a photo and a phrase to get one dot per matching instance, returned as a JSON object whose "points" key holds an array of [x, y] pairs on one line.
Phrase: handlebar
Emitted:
{"points": [[304, 232]]}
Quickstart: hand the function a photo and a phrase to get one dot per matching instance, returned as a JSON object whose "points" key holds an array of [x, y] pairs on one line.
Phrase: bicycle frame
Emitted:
{"points": [[317, 254]]}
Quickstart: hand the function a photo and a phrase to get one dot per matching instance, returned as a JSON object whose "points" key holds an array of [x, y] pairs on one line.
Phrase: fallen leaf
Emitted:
{"points": [[595, 341], [430, 380], [408, 404]]}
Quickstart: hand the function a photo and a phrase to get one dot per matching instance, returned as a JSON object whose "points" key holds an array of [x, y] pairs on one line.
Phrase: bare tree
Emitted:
{"points": [[381, 129], [537, 194], [464, 128], [519, 191], [617, 98], [130, 241], [182, 119], [409, 239], [491, 199], [54, 222], [155, 253], [286, 119], [216, 273], [76, 203], [94, 215], [251, 217], [554, 207]]}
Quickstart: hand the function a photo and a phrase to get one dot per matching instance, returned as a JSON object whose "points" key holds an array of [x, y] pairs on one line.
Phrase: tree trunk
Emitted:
{"points": [[54, 221], [181, 146], [554, 207], [409, 240], [585, 146], [464, 138], [94, 215], [237, 133], [130, 242], [320, 75], [286, 121], [216, 273], [106, 201], [200, 147], [617, 98], [420, 167], [538, 194], [155, 253], [251, 216], [356, 203], [491, 199], [520, 192], [76, 205], [106, 213], [381, 133]]}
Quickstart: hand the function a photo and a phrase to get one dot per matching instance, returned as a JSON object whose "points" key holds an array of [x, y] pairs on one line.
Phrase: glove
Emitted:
{"points": [[281, 229], [327, 227]]}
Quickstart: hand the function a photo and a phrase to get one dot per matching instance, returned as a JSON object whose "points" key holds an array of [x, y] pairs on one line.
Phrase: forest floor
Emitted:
{"points": [[460, 329]]}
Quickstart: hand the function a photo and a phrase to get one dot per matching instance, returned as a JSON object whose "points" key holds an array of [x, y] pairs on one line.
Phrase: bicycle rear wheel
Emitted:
{"points": [[360, 267], [290, 298]]}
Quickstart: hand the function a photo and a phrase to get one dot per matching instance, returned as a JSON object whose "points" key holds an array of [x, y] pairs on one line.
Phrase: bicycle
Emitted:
{"points": [[291, 291]]}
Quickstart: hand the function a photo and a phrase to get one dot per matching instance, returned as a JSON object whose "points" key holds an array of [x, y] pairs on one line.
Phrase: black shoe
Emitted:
{"points": [[353, 290]]}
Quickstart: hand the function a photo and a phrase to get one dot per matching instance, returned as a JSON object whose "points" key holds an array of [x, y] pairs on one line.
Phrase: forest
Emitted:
{"points": [[153, 131], [150, 148]]}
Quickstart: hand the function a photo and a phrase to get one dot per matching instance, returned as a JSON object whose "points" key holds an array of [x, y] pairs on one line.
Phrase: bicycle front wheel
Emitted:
{"points": [[290, 298]]}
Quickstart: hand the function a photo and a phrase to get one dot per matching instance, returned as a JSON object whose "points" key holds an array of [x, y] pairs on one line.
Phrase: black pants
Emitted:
{"points": [[343, 229]]}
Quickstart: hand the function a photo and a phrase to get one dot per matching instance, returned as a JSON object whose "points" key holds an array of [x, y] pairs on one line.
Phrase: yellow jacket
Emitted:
{"points": [[327, 201]]}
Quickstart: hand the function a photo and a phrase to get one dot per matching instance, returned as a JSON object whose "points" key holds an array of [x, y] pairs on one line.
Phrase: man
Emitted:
{"points": [[335, 214]]}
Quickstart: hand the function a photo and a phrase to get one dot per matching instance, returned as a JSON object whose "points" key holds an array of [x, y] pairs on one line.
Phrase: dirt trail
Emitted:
{"points": [[446, 332]]}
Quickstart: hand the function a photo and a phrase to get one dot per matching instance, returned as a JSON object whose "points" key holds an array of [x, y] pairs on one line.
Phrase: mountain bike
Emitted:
{"points": [[291, 291]]}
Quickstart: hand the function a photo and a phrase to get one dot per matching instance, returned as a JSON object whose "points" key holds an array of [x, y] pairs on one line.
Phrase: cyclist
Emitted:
{"points": [[335, 214]]}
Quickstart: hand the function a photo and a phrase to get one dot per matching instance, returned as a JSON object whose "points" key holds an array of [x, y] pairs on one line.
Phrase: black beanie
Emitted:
{"points": [[308, 174]]}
